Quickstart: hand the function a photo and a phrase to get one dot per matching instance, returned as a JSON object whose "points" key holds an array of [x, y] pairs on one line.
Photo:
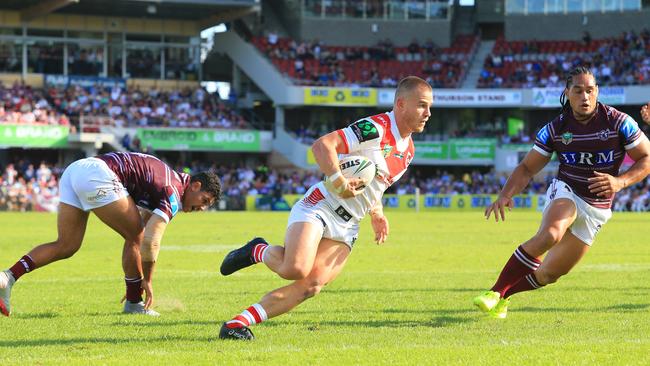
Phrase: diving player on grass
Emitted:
{"points": [[590, 140], [324, 225]]}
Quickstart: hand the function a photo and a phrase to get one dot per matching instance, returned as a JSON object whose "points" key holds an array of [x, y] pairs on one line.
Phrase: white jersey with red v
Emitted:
{"points": [[377, 138]]}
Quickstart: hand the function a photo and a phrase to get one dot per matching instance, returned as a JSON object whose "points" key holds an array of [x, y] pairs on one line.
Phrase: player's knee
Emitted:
{"points": [[548, 238], [134, 236], [66, 250], [312, 289], [546, 277], [294, 272]]}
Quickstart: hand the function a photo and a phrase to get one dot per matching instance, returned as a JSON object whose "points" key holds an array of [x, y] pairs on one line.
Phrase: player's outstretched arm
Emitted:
{"points": [[518, 180], [153, 232], [645, 113]]}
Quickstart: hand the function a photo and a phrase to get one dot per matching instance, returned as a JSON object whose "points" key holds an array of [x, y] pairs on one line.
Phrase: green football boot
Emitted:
{"points": [[500, 311], [487, 300]]}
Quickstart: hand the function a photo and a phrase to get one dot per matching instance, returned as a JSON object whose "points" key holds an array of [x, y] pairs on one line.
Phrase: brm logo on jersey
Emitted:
{"points": [[588, 158], [364, 130]]}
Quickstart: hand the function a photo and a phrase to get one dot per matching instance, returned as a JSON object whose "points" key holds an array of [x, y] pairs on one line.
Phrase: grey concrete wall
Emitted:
{"points": [[572, 26], [354, 32], [490, 11]]}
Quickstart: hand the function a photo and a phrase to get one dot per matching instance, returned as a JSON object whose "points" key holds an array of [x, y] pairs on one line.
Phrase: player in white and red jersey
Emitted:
{"points": [[323, 226], [590, 140], [136, 195]]}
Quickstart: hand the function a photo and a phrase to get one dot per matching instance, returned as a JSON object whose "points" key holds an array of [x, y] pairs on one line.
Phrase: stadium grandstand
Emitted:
{"points": [[243, 87]]}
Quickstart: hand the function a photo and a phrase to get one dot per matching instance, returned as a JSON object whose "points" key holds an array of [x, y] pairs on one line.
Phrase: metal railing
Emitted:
{"points": [[527, 7], [377, 9]]}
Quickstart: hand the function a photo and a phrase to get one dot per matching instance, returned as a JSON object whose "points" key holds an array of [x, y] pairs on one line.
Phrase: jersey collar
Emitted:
{"points": [[399, 141]]}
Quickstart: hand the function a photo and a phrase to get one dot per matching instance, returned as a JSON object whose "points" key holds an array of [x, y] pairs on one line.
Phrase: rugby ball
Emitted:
{"points": [[354, 166]]}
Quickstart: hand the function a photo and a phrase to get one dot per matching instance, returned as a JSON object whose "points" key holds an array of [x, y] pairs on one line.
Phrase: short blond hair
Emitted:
{"points": [[409, 84]]}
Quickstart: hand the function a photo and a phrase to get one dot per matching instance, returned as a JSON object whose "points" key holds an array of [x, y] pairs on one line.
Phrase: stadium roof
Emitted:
{"points": [[209, 12]]}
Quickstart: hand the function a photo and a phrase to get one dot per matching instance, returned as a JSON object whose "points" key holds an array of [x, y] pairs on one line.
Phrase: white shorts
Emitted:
{"points": [[89, 183], [589, 219], [314, 208]]}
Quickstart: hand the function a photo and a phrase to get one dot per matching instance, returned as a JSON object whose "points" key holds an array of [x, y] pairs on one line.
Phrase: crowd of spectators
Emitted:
{"points": [[624, 60], [21, 104], [381, 65], [132, 107], [25, 186]]}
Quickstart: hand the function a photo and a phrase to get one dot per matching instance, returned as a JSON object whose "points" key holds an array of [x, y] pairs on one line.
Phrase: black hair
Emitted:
{"points": [[210, 183], [580, 70]]}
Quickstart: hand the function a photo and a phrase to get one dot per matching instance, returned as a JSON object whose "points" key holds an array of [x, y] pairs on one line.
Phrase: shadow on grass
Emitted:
{"points": [[95, 340], [145, 323], [45, 315], [628, 308], [402, 290], [624, 308], [441, 318]]}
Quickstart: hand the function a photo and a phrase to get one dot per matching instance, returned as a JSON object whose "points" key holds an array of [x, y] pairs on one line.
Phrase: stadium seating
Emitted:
{"points": [[624, 60], [382, 65], [104, 106]]}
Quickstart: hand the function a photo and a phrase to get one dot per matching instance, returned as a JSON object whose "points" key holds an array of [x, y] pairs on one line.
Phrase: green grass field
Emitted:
{"points": [[406, 302]]}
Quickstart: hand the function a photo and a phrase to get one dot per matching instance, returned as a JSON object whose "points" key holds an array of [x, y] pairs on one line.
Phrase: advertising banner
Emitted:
{"points": [[461, 149], [33, 136], [407, 202], [199, 139], [431, 150], [340, 96], [456, 149], [462, 98], [84, 81], [550, 97]]}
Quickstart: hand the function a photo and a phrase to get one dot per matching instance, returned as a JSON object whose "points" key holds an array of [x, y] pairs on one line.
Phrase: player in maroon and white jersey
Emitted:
{"points": [[590, 140], [324, 225], [134, 194]]}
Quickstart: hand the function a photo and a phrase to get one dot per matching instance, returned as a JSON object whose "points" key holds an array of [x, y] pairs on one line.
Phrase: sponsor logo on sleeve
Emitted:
{"points": [[364, 130], [173, 203]]}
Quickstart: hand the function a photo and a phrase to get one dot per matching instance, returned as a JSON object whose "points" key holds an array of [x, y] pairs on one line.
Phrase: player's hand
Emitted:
{"points": [[605, 185], [345, 188], [498, 207], [645, 113], [380, 227], [353, 187], [148, 291]]}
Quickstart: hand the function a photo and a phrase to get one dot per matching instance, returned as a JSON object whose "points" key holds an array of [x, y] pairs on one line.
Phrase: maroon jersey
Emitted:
{"points": [[151, 183], [582, 149]]}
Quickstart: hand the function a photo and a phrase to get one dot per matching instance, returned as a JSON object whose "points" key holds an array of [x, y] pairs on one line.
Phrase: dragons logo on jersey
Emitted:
{"points": [[386, 150], [364, 130]]}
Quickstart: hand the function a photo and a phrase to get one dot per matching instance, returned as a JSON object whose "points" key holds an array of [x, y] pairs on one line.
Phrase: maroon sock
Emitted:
{"points": [[518, 266], [24, 265], [527, 283], [133, 289]]}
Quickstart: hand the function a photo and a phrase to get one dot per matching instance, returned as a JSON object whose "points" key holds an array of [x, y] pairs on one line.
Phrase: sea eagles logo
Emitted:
{"points": [[603, 135], [567, 137]]}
